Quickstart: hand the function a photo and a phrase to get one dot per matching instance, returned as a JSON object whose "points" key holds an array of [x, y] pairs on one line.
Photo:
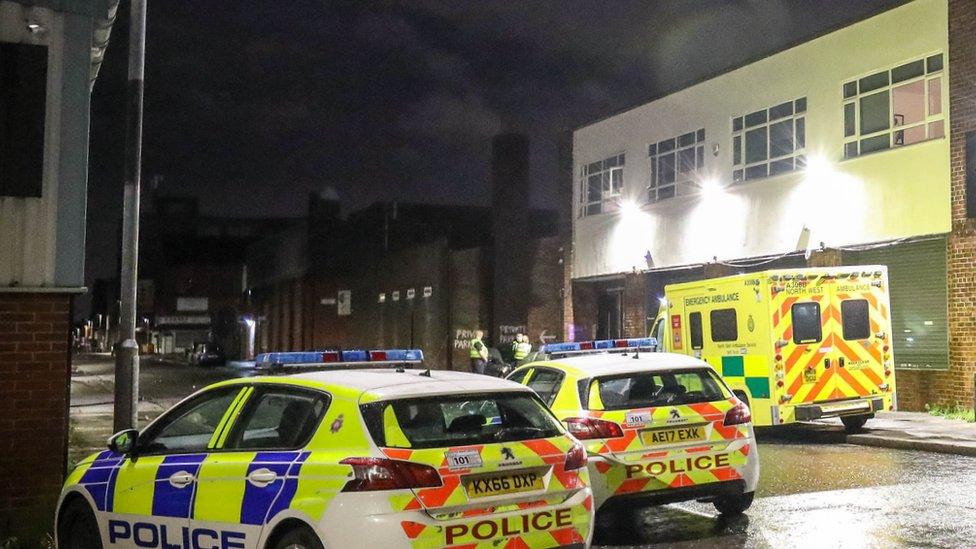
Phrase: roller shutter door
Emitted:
{"points": [[919, 301]]}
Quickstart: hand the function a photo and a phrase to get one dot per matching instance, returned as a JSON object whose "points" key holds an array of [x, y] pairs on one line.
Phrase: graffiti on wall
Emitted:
{"points": [[506, 333], [462, 338]]}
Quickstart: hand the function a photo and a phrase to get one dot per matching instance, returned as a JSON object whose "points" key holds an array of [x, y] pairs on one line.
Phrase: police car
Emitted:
{"points": [[658, 427], [370, 457]]}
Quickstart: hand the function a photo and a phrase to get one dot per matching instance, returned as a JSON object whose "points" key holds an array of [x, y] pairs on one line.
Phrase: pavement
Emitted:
{"points": [[913, 431]]}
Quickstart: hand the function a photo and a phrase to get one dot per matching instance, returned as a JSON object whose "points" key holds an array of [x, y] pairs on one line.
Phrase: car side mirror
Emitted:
{"points": [[124, 442]]}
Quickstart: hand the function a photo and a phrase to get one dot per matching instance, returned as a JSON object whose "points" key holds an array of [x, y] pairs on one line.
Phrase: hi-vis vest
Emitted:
{"points": [[522, 350], [476, 346]]}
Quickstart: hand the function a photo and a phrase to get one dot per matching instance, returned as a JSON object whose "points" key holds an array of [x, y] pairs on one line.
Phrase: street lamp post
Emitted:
{"points": [[127, 351]]}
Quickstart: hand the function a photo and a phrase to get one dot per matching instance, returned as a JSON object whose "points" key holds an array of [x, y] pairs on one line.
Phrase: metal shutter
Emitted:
{"points": [[919, 301]]}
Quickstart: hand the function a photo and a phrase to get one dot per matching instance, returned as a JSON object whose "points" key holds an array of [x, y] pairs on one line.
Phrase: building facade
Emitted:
{"points": [[50, 52], [846, 149]]}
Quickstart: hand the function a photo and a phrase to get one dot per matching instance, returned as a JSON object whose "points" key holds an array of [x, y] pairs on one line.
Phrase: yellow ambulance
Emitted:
{"points": [[795, 344]]}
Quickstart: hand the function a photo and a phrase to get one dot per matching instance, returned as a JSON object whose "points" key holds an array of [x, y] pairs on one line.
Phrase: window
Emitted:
{"points": [[770, 141], [452, 420], [189, 427], [854, 317], [806, 323], [724, 326], [546, 384], [675, 165], [23, 92], [894, 107], [279, 419], [695, 326], [660, 389], [600, 184]]}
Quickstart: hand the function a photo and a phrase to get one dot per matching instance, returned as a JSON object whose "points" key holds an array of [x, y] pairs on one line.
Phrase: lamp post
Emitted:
{"points": [[127, 351]]}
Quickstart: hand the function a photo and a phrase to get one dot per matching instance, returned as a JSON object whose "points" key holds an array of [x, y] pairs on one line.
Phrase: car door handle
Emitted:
{"points": [[826, 364], [262, 477], [181, 479], [840, 362]]}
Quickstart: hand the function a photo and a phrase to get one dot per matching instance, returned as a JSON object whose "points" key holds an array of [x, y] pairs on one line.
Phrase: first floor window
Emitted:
{"points": [[601, 183], [769, 141], [676, 165], [894, 107]]}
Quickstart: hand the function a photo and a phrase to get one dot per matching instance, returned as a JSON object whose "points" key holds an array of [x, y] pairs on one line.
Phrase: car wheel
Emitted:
{"points": [[77, 528], [299, 538], [733, 505], [854, 424]]}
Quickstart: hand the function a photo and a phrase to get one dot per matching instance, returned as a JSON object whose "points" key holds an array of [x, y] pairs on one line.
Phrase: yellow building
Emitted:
{"points": [[832, 152]]}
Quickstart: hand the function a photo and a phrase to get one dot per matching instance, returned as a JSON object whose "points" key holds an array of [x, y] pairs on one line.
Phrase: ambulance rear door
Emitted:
{"points": [[801, 314], [861, 333]]}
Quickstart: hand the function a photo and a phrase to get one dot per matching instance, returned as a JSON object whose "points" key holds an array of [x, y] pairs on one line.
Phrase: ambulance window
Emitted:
{"points": [[855, 319], [695, 325], [724, 325], [278, 419], [806, 323], [546, 384]]}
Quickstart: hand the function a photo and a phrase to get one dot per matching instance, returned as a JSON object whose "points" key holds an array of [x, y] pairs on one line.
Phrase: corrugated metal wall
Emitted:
{"points": [[42, 239]]}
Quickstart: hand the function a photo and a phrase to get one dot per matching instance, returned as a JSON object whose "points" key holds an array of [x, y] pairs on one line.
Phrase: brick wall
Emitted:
{"points": [[545, 312], [35, 369], [955, 386], [634, 302]]}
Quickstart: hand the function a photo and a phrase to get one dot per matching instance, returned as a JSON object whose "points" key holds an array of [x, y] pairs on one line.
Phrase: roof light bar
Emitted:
{"points": [[599, 346], [357, 358]]}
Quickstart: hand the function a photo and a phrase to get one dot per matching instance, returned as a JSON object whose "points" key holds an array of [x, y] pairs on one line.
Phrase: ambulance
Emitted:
{"points": [[794, 344], [338, 458]]}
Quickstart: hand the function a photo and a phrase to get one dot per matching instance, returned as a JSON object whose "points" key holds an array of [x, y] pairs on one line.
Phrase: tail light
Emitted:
{"points": [[738, 415], [587, 428], [575, 458], [373, 474]]}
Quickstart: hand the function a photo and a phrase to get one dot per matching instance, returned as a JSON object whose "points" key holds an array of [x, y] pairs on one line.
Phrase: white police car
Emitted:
{"points": [[337, 459]]}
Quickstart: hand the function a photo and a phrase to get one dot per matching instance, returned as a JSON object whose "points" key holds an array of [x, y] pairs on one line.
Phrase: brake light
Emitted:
{"points": [[738, 415], [575, 458], [373, 474], [586, 428]]}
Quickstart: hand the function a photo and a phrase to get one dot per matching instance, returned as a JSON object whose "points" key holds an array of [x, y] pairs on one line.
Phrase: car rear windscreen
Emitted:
{"points": [[455, 420], [650, 389]]}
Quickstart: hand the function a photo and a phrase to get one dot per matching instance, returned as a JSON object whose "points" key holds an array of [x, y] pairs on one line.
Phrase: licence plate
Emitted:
{"points": [[655, 437], [508, 483]]}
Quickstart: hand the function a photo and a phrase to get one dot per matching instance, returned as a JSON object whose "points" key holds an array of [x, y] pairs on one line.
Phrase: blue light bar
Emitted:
{"points": [[601, 345], [352, 358]]}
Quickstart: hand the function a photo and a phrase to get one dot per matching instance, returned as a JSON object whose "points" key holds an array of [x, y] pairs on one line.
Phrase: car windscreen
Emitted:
{"points": [[454, 420], [650, 389]]}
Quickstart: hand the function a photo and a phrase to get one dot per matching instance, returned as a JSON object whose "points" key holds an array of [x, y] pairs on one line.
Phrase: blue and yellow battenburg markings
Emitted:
{"points": [[100, 479], [258, 505], [168, 500], [358, 357], [576, 347]]}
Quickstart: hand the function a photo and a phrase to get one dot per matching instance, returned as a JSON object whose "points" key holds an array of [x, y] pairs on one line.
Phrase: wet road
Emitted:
{"points": [[825, 494]]}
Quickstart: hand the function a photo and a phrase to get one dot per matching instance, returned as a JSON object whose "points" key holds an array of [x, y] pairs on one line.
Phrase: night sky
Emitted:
{"points": [[252, 104]]}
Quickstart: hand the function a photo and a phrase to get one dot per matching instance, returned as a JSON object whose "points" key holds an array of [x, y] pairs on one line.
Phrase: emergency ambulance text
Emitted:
{"points": [[705, 300]]}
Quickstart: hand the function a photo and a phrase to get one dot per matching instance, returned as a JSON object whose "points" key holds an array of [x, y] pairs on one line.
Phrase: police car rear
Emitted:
{"points": [[466, 460], [658, 427], [358, 458]]}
